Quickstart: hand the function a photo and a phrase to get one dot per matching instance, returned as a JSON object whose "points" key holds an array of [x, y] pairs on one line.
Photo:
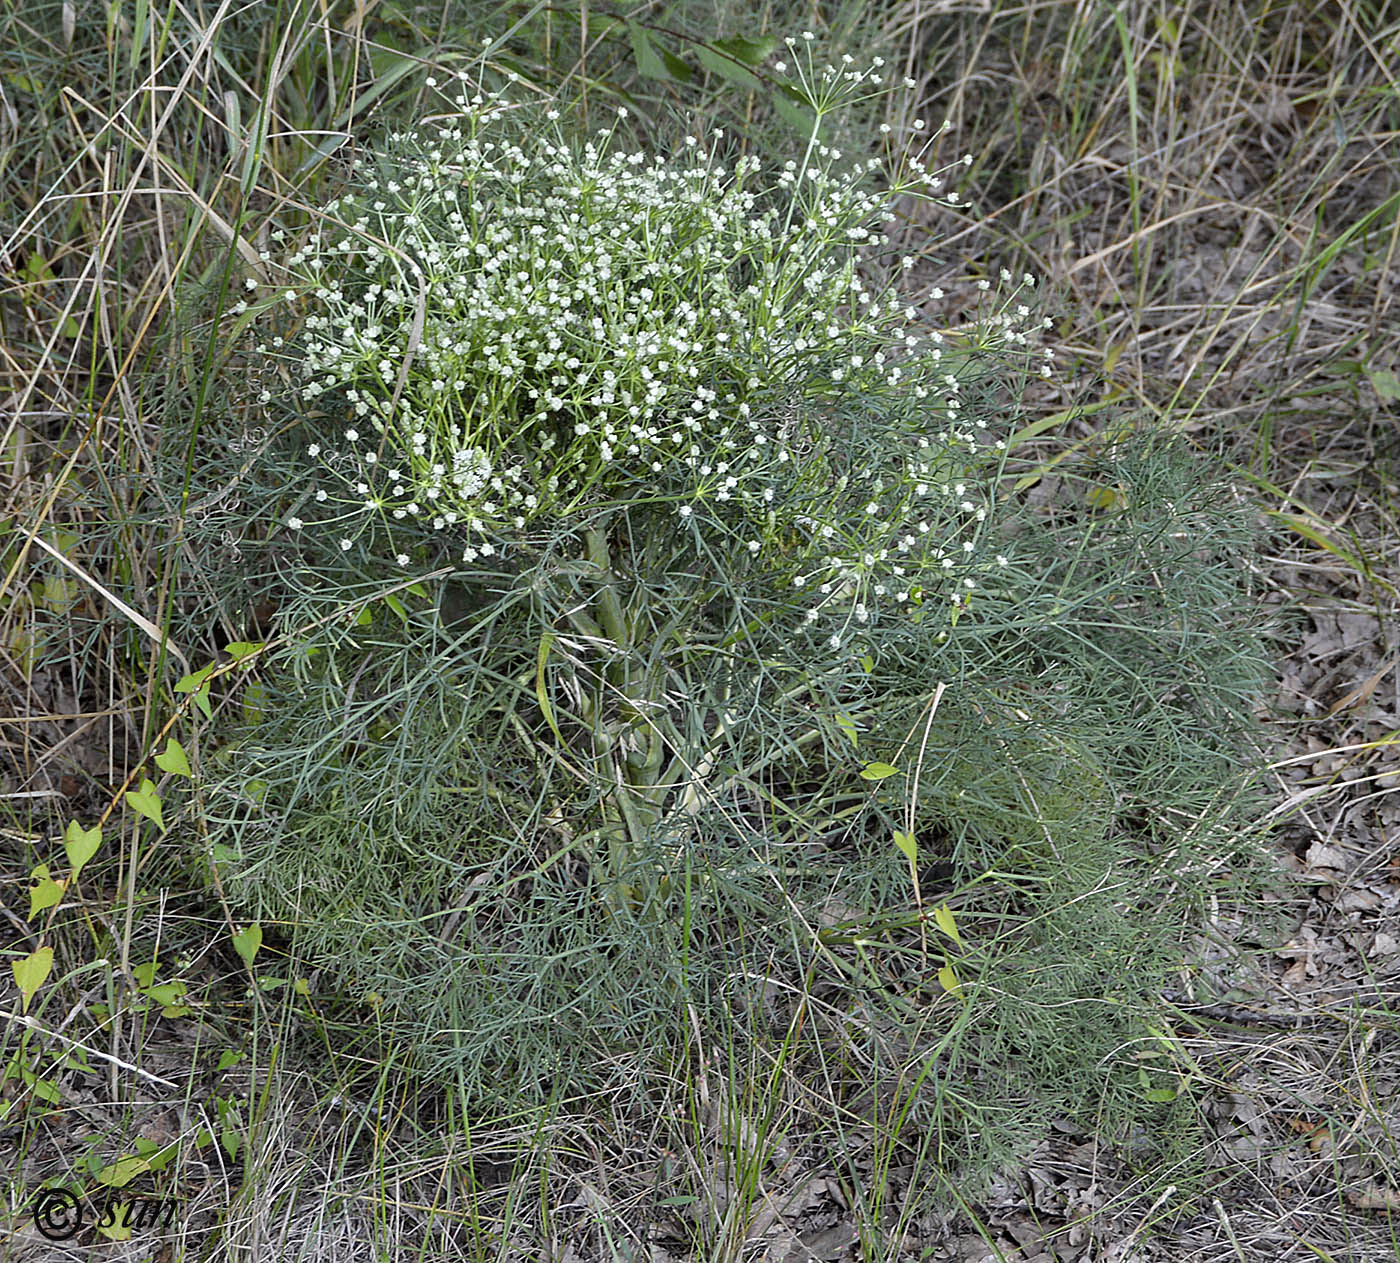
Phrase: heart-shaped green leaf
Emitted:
{"points": [[81, 845], [193, 682], [147, 801], [247, 941], [878, 771], [30, 974], [173, 759]]}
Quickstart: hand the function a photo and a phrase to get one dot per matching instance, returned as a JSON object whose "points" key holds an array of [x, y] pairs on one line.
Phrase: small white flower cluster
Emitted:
{"points": [[518, 330]]}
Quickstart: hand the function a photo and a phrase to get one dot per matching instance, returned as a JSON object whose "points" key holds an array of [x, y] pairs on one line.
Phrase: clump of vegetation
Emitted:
{"points": [[655, 637], [1045, 790]]}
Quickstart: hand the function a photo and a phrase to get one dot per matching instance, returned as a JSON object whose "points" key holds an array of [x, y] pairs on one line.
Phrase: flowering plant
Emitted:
{"points": [[716, 499], [521, 333]]}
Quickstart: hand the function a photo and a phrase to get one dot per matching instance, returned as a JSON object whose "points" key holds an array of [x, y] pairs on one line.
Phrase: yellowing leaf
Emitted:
{"points": [[45, 892], [848, 726], [30, 974], [125, 1169], [948, 980], [81, 845], [172, 759], [906, 843]]}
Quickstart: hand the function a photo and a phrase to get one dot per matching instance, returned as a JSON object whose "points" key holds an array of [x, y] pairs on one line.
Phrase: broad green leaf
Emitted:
{"points": [[799, 117], [44, 1089], [907, 844], [147, 801], [751, 52], [125, 1169], [167, 992], [172, 759], [948, 980], [197, 682], [649, 63], [397, 606], [878, 771], [80, 845], [193, 682], [1385, 383], [30, 974], [680, 71], [156, 1157], [45, 892], [848, 726], [247, 941], [36, 270], [944, 919], [364, 618], [56, 593], [254, 703], [727, 66], [229, 1120], [240, 649]]}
